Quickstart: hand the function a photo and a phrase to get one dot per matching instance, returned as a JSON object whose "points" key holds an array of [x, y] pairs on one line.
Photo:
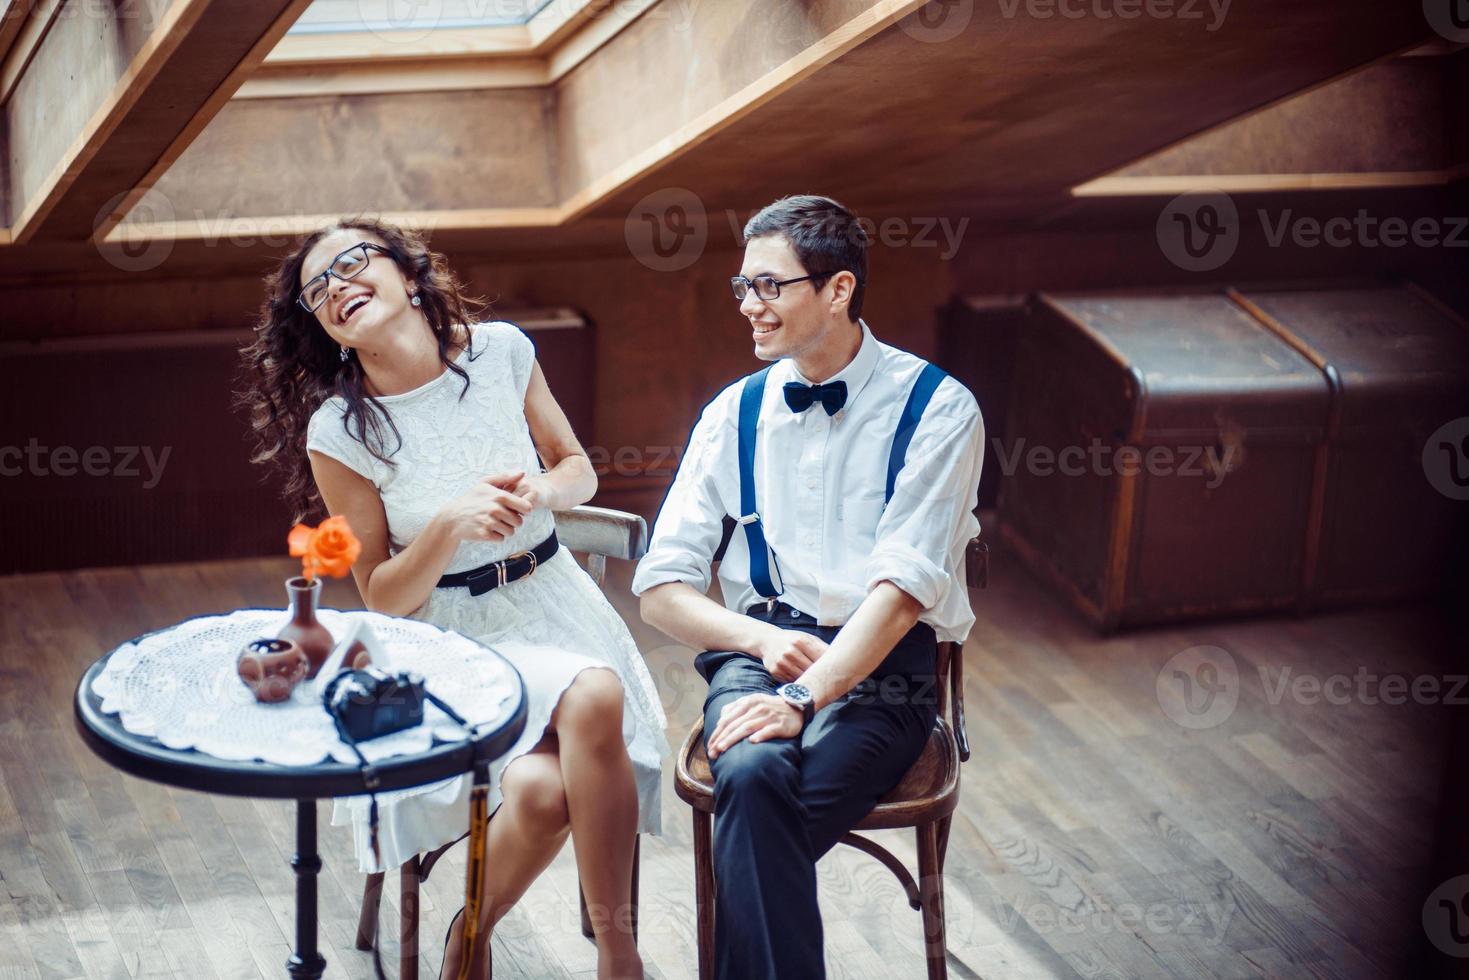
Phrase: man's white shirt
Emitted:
{"points": [[820, 485]]}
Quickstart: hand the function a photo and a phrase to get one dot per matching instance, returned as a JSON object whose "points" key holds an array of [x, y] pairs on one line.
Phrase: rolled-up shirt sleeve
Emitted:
{"points": [[932, 508], [691, 522]]}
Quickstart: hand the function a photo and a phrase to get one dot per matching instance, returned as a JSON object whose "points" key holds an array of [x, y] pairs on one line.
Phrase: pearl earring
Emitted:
{"points": [[343, 355], [417, 300]]}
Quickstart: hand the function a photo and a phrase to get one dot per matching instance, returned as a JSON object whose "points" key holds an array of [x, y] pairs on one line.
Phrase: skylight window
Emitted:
{"points": [[344, 16]]}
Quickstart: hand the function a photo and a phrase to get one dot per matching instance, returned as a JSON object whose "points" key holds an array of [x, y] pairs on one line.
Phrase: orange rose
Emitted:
{"points": [[330, 548]]}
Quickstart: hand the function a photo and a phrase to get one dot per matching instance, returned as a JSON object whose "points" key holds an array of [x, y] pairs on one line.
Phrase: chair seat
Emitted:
{"points": [[927, 792]]}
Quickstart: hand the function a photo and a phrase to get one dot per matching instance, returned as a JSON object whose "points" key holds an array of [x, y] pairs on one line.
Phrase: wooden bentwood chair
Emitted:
{"points": [[600, 534], [924, 799]]}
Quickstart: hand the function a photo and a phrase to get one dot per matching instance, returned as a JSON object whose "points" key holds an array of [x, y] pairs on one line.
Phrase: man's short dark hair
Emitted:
{"points": [[825, 236]]}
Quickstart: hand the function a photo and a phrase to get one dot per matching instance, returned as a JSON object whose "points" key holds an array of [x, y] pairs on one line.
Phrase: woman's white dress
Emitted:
{"points": [[552, 624]]}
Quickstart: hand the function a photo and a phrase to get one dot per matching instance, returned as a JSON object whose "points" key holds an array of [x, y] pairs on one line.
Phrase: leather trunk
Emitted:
{"points": [[1162, 455], [1396, 366]]}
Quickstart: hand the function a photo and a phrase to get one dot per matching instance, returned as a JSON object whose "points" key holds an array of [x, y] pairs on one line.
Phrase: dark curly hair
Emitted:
{"points": [[293, 365]]}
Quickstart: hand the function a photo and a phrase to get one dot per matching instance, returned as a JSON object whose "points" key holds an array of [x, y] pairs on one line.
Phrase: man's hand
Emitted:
{"points": [[757, 717], [788, 654]]}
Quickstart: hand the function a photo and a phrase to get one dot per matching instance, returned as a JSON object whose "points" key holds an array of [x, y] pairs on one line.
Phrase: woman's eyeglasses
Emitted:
{"points": [[347, 265], [767, 287]]}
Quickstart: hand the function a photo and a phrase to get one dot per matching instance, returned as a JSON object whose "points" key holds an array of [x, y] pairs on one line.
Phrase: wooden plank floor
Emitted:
{"points": [[1096, 836]]}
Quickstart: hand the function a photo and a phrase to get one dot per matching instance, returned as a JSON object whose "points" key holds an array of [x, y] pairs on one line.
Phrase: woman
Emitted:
{"points": [[423, 428]]}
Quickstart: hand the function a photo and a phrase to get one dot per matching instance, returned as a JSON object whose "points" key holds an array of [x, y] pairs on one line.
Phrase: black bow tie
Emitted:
{"points": [[800, 397]]}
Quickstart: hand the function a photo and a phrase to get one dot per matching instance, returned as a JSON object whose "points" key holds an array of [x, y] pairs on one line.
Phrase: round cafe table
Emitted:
{"points": [[146, 757]]}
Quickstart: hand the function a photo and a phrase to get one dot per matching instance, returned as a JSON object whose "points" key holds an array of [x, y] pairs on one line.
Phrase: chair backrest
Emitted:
{"points": [[601, 533]]}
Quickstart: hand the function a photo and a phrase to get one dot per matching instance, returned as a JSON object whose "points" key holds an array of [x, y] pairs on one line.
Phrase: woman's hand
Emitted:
{"points": [[535, 490], [491, 510]]}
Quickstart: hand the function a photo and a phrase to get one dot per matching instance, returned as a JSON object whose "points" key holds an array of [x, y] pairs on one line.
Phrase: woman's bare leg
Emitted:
{"points": [[526, 833], [578, 778], [602, 799]]}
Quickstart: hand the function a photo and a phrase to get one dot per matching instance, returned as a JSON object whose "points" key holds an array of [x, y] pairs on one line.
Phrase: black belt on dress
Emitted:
{"points": [[497, 573]]}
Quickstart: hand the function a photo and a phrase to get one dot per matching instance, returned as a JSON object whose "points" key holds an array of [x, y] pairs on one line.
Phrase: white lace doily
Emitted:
{"points": [[180, 686]]}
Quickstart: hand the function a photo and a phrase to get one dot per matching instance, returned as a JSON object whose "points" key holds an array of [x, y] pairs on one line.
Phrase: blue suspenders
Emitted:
{"points": [[750, 397], [749, 518], [923, 390]]}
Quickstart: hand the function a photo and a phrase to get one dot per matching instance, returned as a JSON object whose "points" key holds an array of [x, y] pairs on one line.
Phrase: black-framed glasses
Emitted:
{"points": [[347, 265], [767, 287]]}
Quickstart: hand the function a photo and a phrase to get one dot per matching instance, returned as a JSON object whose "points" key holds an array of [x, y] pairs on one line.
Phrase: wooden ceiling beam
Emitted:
{"points": [[1171, 185], [23, 30], [858, 104], [13, 14], [112, 95]]}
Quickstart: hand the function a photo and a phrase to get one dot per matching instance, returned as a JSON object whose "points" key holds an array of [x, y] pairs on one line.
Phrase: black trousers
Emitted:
{"points": [[781, 804]]}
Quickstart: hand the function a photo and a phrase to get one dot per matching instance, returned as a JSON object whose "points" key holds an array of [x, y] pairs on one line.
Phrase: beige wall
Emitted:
{"points": [[364, 153]]}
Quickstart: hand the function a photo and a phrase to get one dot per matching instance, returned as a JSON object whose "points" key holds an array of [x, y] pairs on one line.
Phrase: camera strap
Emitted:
{"points": [[477, 819], [371, 781]]}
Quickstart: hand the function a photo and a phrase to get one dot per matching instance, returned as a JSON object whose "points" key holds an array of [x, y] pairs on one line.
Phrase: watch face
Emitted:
{"points": [[797, 693]]}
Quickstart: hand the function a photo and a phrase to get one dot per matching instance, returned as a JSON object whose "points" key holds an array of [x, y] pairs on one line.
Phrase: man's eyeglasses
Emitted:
{"points": [[767, 287], [347, 265]]}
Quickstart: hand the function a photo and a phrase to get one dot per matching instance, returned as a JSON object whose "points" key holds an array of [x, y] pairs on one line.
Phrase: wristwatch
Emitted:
{"points": [[800, 696]]}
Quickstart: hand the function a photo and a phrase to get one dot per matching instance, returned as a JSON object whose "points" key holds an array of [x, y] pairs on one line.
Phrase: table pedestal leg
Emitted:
{"points": [[306, 963]]}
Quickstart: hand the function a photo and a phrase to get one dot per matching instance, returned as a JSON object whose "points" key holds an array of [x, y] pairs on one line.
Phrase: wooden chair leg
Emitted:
{"points": [[931, 892], [408, 925], [943, 829], [704, 891], [637, 864], [586, 917], [372, 901]]}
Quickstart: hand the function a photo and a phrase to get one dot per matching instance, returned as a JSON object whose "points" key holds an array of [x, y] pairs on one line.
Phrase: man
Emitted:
{"points": [[826, 579]]}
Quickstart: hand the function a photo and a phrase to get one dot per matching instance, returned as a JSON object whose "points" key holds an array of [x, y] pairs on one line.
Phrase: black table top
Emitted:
{"points": [[146, 757]]}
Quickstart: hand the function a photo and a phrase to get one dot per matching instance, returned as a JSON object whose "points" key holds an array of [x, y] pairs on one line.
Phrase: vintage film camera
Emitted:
{"points": [[368, 703], [366, 697]]}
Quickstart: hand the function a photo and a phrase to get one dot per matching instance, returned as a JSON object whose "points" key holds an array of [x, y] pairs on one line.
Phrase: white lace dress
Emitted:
{"points": [[552, 624]]}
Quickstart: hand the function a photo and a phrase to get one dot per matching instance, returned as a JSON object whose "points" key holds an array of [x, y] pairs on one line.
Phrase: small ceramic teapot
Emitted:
{"points": [[271, 668]]}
